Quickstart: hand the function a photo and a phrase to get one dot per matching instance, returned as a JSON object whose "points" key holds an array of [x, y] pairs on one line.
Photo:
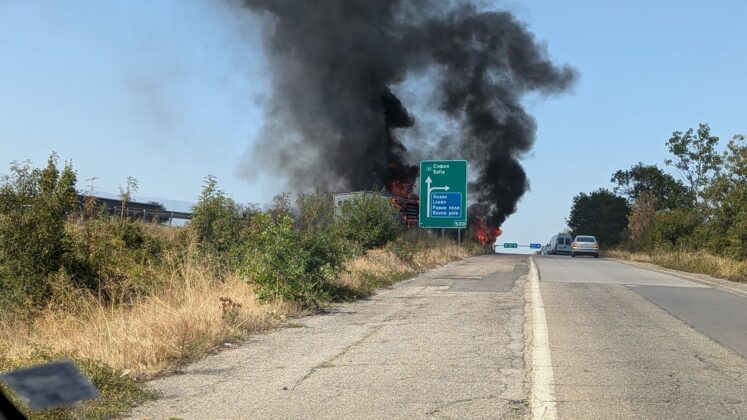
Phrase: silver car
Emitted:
{"points": [[585, 245]]}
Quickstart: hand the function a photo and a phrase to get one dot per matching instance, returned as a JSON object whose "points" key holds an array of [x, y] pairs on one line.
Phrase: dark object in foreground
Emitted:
{"points": [[8, 410], [52, 385]]}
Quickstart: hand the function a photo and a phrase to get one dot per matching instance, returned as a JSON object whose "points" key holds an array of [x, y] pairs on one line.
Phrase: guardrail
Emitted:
{"points": [[145, 211]]}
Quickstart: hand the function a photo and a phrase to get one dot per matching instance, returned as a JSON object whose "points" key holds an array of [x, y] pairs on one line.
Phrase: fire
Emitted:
{"points": [[401, 188], [485, 235], [399, 185]]}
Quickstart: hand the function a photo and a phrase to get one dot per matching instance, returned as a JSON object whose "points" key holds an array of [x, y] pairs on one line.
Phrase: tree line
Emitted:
{"points": [[704, 208]]}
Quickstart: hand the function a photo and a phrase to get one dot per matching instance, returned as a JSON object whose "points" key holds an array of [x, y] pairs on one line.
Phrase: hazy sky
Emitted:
{"points": [[171, 91]]}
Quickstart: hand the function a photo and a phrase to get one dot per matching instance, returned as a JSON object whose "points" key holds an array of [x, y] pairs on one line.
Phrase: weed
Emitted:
{"points": [[693, 262], [230, 311]]}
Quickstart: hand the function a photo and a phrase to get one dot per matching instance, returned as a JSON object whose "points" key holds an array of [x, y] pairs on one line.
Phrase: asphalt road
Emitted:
{"points": [[446, 344], [490, 337], [627, 342]]}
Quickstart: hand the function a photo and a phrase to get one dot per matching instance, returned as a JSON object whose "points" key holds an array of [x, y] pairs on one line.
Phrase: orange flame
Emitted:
{"points": [[484, 234], [400, 188]]}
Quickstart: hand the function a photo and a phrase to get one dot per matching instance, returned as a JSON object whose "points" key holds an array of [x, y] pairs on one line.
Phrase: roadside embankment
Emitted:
{"points": [[691, 262], [192, 313]]}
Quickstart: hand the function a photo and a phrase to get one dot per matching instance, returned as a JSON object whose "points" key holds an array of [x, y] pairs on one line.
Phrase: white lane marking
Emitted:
{"points": [[543, 388]]}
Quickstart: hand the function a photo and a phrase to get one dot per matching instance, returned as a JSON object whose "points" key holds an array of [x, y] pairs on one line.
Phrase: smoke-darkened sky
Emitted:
{"points": [[172, 91], [334, 117]]}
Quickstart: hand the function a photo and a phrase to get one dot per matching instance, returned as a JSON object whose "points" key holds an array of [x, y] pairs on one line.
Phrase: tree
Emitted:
{"points": [[696, 158], [668, 192], [126, 193], [600, 213], [642, 216], [34, 204], [216, 219], [728, 192]]}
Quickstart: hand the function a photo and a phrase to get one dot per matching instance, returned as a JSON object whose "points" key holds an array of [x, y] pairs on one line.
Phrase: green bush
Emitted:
{"points": [[216, 220], [295, 258], [671, 230], [276, 262], [318, 235], [33, 208], [116, 258], [369, 220]]}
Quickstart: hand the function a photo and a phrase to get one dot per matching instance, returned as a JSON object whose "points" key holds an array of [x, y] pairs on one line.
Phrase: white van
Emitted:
{"points": [[561, 244]]}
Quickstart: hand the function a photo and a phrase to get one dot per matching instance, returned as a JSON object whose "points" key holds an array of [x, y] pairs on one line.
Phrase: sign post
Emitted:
{"points": [[443, 194], [516, 245]]}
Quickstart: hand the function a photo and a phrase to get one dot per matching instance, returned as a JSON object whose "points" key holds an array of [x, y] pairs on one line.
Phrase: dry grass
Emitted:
{"points": [[380, 268], [190, 315], [692, 262], [439, 255], [379, 265]]}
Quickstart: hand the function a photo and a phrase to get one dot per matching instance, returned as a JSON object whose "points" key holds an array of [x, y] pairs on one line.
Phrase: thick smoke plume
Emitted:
{"points": [[334, 113]]}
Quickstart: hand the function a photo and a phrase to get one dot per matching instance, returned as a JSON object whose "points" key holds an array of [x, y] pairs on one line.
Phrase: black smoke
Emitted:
{"points": [[334, 114]]}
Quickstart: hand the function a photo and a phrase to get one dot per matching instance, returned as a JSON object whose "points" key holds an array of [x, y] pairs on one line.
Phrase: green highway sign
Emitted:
{"points": [[443, 194], [510, 245]]}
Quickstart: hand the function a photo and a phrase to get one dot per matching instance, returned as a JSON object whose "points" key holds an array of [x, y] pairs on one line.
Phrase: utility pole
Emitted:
{"points": [[89, 204], [92, 189]]}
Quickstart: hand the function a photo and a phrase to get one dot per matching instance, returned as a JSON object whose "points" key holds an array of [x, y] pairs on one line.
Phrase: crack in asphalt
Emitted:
{"points": [[456, 402]]}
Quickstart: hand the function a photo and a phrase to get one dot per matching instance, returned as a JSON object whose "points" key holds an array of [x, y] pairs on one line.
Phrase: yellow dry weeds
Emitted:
{"points": [[185, 319], [191, 313], [693, 262], [440, 255]]}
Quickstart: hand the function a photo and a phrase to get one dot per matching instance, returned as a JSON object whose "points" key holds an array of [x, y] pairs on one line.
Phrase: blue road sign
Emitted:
{"points": [[535, 246], [446, 204]]}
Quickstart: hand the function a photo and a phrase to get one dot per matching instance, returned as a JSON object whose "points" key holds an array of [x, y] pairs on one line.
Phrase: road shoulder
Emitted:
{"points": [[728, 285]]}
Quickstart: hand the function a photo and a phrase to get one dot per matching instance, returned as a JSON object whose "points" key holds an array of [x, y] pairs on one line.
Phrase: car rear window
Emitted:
{"points": [[567, 241], [585, 239]]}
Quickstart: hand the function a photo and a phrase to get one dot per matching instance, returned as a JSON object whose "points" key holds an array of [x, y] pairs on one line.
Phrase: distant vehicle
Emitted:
{"points": [[585, 245], [560, 244]]}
